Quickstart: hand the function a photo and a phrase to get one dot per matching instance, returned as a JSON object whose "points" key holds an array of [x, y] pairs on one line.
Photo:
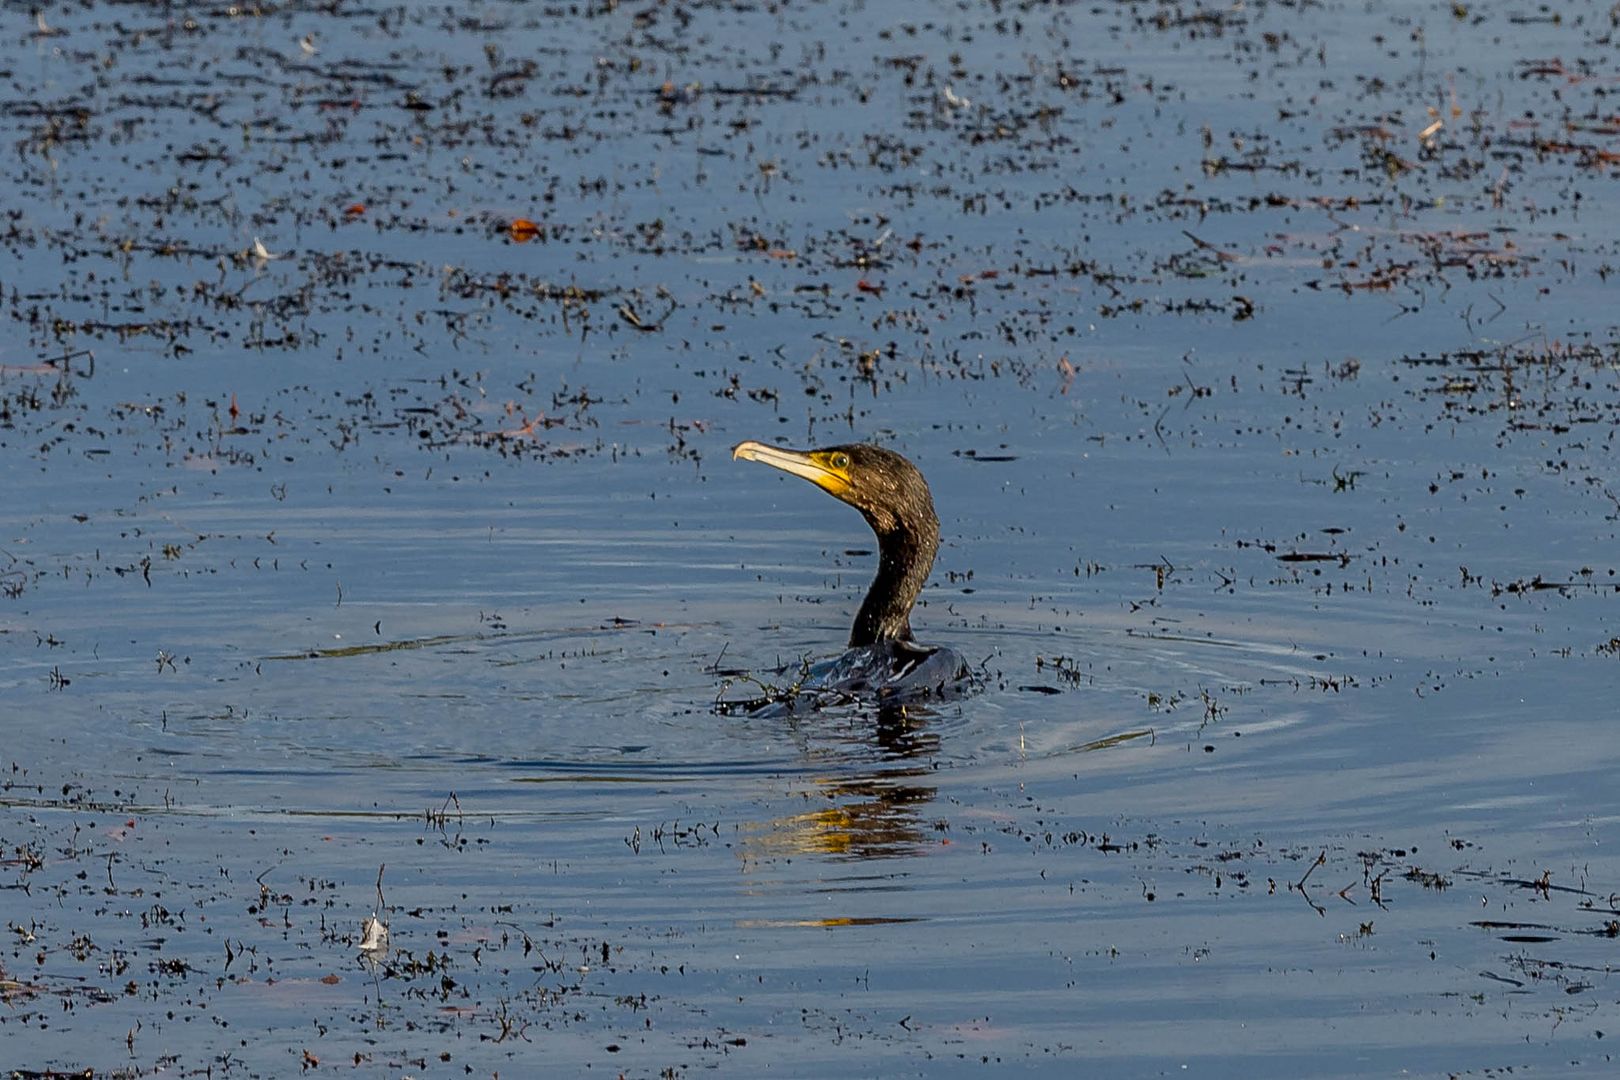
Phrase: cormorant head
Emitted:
{"points": [[887, 489]]}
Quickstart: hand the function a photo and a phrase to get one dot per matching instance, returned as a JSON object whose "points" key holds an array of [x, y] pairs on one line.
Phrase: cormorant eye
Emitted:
{"points": [[840, 461]]}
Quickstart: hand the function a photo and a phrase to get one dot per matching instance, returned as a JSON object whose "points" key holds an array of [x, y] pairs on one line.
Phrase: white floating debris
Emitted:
{"points": [[373, 935]]}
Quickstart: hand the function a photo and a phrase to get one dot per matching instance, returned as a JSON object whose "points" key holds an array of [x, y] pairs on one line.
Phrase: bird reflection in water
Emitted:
{"points": [[883, 663], [874, 813]]}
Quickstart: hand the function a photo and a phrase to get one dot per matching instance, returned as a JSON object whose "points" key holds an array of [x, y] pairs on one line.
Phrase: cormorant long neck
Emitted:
{"points": [[894, 498], [906, 550]]}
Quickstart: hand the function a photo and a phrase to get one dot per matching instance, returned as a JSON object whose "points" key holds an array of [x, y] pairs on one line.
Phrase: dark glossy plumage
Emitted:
{"points": [[893, 497]]}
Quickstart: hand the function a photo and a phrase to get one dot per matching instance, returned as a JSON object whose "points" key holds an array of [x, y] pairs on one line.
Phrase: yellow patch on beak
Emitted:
{"points": [[822, 468]]}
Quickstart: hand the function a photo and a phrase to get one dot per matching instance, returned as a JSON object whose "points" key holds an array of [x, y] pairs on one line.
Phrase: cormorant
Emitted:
{"points": [[883, 659]]}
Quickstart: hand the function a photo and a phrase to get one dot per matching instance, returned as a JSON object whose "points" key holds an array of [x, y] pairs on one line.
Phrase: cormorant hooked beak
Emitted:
{"points": [[827, 469]]}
